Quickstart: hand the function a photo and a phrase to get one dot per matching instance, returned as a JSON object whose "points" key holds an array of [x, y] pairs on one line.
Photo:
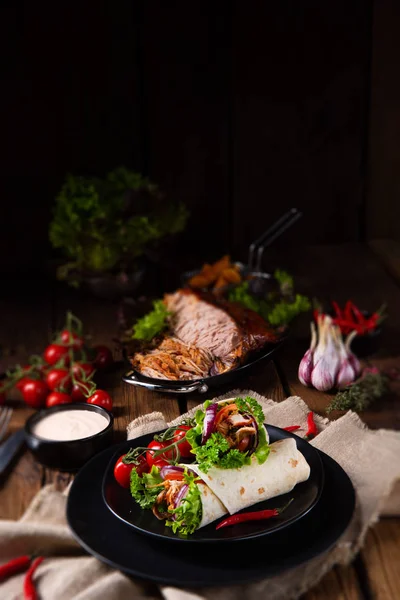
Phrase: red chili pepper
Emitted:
{"points": [[337, 309], [347, 313], [14, 566], [292, 428], [358, 314], [316, 314], [259, 515], [312, 428], [29, 585]]}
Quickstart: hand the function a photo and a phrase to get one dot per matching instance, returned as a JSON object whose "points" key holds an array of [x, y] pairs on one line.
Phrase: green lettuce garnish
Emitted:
{"points": [[278, 310], [189, 513], [145, 489], [152, 323]]}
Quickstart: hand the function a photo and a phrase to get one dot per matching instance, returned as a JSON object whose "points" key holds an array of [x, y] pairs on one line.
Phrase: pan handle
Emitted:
{"points": [[199, 386]]}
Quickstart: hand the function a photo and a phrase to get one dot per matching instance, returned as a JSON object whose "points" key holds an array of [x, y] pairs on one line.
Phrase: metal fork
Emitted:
{"points": [[5, 416]]}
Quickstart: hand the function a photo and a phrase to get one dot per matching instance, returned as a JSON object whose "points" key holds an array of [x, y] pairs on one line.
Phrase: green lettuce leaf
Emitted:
{"points": [[189, 513], [145, 489], [153, 323], [217, 453]]}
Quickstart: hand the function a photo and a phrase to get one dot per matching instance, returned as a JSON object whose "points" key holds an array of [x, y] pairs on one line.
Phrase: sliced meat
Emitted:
{"points": [[210, 336]]}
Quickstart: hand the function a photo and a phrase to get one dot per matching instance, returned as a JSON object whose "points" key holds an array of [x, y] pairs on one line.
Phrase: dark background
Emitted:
{"points": [[240, 109]]}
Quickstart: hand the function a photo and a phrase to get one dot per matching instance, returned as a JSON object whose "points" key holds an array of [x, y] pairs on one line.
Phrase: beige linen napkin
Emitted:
{"points": [[369, 457]]}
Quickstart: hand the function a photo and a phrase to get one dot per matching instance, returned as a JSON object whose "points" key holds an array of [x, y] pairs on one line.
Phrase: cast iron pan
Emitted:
{"points": [[200, 385]]}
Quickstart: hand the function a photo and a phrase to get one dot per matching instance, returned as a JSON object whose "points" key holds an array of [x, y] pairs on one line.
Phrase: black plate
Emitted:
{"points": [[305, 495], [110, 540]]}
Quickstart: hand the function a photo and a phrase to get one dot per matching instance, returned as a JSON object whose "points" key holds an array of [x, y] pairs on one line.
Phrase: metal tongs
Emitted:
{"points": [[259, 279], [256, 249]]}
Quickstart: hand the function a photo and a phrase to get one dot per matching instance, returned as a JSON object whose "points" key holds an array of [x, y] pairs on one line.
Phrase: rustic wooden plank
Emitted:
{"points": [[293, 144], [383, 208], [188, 130], [340, 583], [388, 252], [381, 555]]}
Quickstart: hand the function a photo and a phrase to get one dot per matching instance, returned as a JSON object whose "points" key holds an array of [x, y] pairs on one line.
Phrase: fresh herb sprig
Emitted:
{"points": [[361, 394]]}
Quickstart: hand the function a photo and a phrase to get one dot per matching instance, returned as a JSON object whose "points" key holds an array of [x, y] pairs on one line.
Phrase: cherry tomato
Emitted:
{"points": [[82, 370], [154, 445], [54, 353], [2, 398], [57, 379], [160, 463], [184, 447], [122, 472], [56, 398], [80, 391], [34, 392], [104, 357], [21, 382], [72, 339], [101, 398]]}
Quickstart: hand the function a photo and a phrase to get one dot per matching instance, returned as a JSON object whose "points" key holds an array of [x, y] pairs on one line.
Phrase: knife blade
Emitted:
{"points": [[10, 448]]}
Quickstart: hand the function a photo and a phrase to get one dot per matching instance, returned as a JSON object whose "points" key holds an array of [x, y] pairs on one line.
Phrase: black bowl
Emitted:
{"points": [[68, 455]]}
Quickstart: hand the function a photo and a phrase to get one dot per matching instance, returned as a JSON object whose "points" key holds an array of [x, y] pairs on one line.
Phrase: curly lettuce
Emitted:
{"points": [[153, 323], [188, 515], [146, 488]]}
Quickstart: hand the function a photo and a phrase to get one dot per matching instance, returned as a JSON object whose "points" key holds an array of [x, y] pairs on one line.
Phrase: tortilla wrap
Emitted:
{"points": [[242, 487], [213, 508], [232, 400]]}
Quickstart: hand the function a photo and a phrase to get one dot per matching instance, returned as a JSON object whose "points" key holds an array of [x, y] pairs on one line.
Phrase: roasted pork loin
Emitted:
{"points": [[209, 337]]}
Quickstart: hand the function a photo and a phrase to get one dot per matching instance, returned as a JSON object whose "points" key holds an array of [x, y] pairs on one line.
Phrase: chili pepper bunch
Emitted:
{"points": [[351, 318]]}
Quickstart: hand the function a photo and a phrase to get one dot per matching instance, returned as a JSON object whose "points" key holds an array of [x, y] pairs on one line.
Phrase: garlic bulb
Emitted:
{"points": [[325, 368], [328, 363], [353, 360], [346, 373], [307, 362]]}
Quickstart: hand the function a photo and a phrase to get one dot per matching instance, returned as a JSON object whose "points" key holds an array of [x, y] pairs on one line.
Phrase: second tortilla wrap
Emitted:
{"points": [[239, 488]]}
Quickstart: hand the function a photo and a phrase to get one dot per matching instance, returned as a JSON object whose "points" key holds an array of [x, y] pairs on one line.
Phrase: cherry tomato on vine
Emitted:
{"points": [[34, 392], [71, 339], [54, 353], [56, 398], [160, 458], [103, 358], [184, 447], [122, 471], [59, 379], [101, 398], [80, 391], [82, 370]]}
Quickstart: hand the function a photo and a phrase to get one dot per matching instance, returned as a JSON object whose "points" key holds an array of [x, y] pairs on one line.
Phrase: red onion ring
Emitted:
{"points": [[208, 423]]}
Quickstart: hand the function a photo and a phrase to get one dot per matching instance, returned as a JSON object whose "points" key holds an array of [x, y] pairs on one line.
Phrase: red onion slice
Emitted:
{"points": [[208, 423], [255, 437], [179, 497], [170, 469]]}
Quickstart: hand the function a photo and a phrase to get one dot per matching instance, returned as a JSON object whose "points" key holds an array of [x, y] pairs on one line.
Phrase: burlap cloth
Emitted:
{"points": [[371, 459]]}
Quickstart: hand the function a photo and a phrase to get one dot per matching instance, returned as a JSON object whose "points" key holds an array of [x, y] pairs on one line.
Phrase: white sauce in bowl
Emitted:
{"points": [[69, 425]]}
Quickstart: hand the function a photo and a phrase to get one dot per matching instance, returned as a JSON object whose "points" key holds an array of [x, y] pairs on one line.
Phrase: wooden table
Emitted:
{"points": [[369, 277]]}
